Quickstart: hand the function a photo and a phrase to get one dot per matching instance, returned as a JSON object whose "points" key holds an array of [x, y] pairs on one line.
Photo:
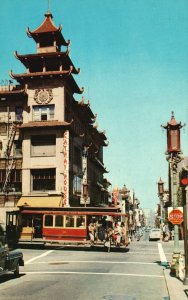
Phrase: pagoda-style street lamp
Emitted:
{"points": [[125, 196], [160, 194], [173, 157]]}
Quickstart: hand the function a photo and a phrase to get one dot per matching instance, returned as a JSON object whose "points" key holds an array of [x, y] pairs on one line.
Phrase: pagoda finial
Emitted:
{"points": [[172, 117], [48, 6]]}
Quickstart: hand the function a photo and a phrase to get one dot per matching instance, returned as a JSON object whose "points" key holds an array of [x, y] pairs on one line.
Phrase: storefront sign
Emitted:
{"points": [[66, 169], [84, 199]]}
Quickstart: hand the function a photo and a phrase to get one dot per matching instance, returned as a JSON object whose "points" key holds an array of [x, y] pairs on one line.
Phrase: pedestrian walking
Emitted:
{"points": [[164, 231], [117, 235], [172, 234], [108, 238], [101, 233], [124, 236], [91, 229]]}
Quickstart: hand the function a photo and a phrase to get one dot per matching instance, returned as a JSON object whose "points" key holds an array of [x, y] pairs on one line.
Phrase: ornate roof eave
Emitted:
{"points": [[25, 58], [13, 92], [86, 107], [48, 27], [100, 164], [73, 83], [24, 76], [103, 134], [41, 124], [94, 129], [173, 123], [106, 144], [36, 36], [51, 74], [105, 180]]}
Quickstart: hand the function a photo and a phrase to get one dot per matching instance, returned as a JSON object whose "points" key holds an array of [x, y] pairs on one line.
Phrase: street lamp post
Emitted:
{"points": [[125, 196], [173, 157], [186, 236], [160, 194]]}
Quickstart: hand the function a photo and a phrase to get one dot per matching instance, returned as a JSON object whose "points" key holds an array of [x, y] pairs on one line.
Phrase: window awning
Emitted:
{"points": [[45, 201]]}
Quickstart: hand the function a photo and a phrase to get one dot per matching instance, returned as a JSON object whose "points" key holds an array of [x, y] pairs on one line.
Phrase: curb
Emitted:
{"points": [[175, 287]]}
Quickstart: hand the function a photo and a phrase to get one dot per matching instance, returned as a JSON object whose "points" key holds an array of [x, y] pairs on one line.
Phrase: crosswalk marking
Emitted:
{"points": [[92, 273], [92, 261], [162, 254], [37, 257]]}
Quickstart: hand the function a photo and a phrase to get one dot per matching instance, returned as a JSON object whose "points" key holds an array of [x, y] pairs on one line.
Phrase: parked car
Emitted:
{"points": [[155, 234], [10, 261], [147, 229]]}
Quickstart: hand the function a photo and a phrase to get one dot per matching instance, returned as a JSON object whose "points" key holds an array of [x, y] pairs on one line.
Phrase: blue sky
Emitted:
{"points": [[133, 56]]}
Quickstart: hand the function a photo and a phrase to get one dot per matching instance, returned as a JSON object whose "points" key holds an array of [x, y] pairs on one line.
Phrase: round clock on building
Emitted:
{"points": [[43, 96]]}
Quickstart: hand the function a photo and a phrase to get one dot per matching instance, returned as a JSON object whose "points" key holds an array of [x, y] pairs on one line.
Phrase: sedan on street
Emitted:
{"points": [[155, 234]]}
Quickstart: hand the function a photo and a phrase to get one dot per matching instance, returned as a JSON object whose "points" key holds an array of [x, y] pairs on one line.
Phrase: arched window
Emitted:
{"points": [[48, 220], [58, 221]]}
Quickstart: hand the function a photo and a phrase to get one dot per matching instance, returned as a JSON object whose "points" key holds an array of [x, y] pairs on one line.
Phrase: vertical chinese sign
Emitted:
{"points": [[84, 199], [66, 168]]}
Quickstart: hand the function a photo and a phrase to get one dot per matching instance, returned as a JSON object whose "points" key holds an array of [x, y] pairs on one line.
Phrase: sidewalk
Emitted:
{"points": [[176, 288]]}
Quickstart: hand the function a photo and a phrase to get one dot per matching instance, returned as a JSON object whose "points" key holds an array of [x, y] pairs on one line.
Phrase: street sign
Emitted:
{"points": [[175, 217], [184, 181]]}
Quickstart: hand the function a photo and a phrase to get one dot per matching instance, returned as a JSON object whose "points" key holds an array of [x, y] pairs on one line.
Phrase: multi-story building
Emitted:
{"points": [[51, 151]]}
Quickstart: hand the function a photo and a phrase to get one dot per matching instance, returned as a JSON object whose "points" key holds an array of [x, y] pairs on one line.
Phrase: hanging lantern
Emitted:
{"points": [[173, 135], [85, 190], [160, 187]]}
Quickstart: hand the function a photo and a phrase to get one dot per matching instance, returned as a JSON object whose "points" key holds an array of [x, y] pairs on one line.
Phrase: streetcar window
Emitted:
{"points": [[58, 221], [80, 221], [48, 220], [26, 221], [69, 221]]}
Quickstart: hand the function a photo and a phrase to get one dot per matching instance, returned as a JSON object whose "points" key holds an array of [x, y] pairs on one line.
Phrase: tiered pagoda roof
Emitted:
{"points": [[47, 28], [49, 61], [37, 60]]}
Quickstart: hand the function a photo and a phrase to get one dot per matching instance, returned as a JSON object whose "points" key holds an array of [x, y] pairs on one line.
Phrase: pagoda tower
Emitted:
{"points": [[60, 146]]}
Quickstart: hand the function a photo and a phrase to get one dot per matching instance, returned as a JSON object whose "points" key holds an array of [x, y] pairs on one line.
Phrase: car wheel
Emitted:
{"points": [[17, 271]]}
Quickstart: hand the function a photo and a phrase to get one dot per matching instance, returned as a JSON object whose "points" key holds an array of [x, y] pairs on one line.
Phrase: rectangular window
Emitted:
{"points": [[59, 221], [17, 148], [77, 184], [43, 112], [19, 113], [48, 221], [78, 157], [43, 179], [14, 181], [44, 145], [81, 221], [69, 221]]}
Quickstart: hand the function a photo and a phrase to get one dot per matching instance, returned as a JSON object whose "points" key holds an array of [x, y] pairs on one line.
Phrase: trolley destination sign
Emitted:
{"points": [[176, 217]]}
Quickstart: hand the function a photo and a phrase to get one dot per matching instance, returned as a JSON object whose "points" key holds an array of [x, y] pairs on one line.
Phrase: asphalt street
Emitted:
{"points": [[89, 274]]}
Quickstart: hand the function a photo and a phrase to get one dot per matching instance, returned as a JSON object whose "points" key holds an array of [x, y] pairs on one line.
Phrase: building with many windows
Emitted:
{"points": [[51, 151]]}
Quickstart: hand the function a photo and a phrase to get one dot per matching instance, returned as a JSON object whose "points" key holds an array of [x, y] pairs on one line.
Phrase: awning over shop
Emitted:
{"points": [[46, 201]]}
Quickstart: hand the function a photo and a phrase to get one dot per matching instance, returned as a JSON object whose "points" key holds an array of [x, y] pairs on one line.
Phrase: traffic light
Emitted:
{"points": [[184, 178]]}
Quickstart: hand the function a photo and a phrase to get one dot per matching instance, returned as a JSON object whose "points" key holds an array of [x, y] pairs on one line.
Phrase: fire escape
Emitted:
{"points": [[10, 162]]}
